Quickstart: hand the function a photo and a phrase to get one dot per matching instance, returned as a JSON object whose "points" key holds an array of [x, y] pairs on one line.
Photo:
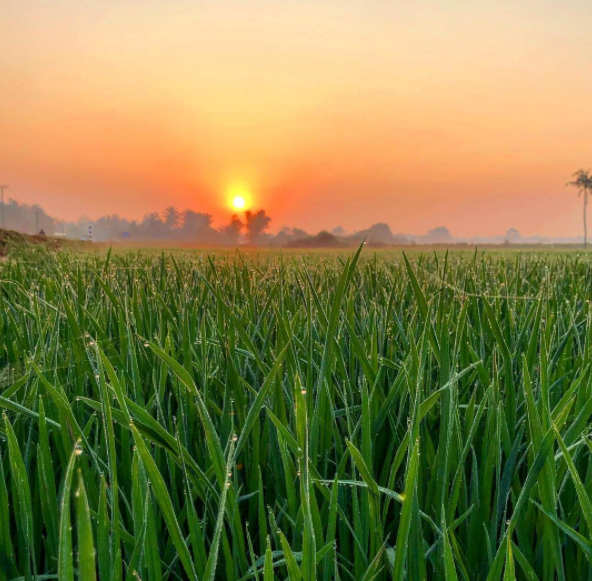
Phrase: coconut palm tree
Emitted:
{"points": [[583, 181]]}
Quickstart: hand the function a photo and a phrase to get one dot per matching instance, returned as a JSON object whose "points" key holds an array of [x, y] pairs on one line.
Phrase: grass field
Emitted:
{"points": [[307, 416]]}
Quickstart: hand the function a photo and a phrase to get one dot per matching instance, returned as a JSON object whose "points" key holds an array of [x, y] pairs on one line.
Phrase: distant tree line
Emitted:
{"points": [[190, 227], [26, 218], [173, 224]]}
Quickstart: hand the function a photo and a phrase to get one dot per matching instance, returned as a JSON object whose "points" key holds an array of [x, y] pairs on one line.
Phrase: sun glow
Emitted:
{"points": [[239, 198], [239, 203]]}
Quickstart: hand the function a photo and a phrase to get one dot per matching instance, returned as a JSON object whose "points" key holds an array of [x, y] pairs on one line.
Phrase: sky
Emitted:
{"points": [[418, 113]]}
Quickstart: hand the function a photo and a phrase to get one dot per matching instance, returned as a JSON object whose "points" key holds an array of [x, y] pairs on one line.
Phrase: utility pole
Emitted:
{"points": [[36, 222], [2, 188]]}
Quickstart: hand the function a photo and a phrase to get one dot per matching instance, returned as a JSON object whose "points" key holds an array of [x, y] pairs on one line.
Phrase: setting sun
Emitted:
{"points": [[239, 197], [239, 203]]}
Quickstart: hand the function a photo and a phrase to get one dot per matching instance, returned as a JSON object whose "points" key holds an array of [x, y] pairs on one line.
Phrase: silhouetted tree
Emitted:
{"points": [[256, 224], [197, 227], [512, 234], [232, 231], [439, 235], [323, 239], [583, 181], [23, 218], [172, 217], [287, 235], [110, 227], [152, 227], [377, 234]]}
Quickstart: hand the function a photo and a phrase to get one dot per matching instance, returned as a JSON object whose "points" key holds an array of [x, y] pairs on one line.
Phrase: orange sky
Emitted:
{"points": [[418, 113]]}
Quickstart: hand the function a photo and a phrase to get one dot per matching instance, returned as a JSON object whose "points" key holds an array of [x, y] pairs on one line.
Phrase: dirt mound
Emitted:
{"points": [[11, 239]]}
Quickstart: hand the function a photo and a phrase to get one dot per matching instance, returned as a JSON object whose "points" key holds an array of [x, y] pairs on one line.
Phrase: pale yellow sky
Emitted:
{"points": [[416, 113]]}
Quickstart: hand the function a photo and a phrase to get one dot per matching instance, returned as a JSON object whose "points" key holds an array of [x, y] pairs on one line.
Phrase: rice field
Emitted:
{"points": [[363, 416]]}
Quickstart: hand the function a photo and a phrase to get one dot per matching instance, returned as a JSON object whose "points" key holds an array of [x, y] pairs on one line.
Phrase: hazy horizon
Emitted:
{"points": [[325, 113]]}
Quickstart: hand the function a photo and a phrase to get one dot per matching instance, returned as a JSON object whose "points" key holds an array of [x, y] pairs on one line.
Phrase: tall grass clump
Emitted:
{"points": [[299, 417]]}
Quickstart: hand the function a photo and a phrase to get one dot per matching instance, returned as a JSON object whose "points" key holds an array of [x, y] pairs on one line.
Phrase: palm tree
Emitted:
{"points": [[583, 181]]}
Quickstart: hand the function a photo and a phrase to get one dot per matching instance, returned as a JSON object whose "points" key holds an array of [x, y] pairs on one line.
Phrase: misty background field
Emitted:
{"points": [[301, 416]]}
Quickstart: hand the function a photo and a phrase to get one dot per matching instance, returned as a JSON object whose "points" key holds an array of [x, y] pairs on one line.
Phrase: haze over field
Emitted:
{"points": [[325, 113], [332, 315]]}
